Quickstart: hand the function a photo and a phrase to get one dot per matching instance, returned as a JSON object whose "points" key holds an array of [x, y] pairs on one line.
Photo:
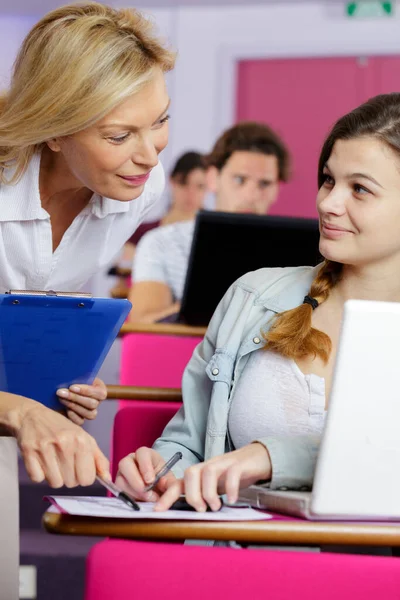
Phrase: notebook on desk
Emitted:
{"points": [[358, 466], [50, 340], [227, 245]]}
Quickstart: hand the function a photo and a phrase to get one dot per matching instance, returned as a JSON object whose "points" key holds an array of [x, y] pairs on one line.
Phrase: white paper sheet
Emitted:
{"points": [[95, 506]]}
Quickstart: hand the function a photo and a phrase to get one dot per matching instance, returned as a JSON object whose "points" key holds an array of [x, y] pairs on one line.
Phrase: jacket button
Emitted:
{"points": [[256, 340], [215, 371]]}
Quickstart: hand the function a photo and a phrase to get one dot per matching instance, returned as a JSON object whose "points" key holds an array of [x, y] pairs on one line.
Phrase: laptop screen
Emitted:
{"points": [[227, 245]]}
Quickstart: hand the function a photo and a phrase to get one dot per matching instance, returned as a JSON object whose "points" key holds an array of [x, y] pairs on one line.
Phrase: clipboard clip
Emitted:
{"points": [[49, 293]]}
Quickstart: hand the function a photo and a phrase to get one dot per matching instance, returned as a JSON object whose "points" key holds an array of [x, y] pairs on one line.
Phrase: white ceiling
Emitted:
{"points": [[39, 7]]}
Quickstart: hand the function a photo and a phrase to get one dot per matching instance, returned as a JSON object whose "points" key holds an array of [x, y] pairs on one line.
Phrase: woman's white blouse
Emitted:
{"points": [[96, 235], [273, 397]]}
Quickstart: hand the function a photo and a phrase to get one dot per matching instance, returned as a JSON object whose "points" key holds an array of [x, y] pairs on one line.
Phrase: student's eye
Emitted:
{"points": [[161, 122], [119, 139], [239, 180], [265, 184], [327, 180], [360, 189]]}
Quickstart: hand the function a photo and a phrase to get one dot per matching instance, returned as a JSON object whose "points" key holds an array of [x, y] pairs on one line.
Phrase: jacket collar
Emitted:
{"points": [[288, 292]]}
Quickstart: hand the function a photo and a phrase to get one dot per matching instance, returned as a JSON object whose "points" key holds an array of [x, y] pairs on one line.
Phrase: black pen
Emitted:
{"points": [[111, 487], [164, 470]]}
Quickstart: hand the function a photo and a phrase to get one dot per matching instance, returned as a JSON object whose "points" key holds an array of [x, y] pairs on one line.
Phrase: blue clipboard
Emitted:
{"points": [[50, 340]]}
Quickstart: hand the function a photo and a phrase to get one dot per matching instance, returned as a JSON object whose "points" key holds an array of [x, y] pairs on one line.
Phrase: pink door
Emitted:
{"points": [[301, 99]]}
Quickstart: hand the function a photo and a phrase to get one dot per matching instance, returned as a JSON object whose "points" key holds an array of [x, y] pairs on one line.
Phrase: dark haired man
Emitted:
{"points": [[244, 172]]}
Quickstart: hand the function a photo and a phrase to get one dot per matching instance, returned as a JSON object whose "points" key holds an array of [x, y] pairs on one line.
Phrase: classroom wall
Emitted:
{"points": [[210, 39]]}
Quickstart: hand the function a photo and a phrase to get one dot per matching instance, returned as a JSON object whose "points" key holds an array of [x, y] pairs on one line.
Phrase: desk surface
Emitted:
{"points": [[275, 531], [163, 329]]}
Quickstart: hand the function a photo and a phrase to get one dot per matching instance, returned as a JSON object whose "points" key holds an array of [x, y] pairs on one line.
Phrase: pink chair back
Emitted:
{"points": [[155, 360], [138, 424], [137, 570]]}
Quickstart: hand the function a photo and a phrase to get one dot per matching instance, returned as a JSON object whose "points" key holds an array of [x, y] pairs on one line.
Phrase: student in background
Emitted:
{"points": [[187, 183], [245, 168], [268, 355], [81, 128]]}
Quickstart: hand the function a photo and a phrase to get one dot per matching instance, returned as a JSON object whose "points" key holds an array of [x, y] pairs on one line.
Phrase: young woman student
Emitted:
{"points": [[269, 351], [81, 128]]}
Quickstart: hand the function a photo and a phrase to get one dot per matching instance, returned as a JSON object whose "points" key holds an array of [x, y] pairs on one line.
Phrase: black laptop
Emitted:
{"points": [[228, 245]]}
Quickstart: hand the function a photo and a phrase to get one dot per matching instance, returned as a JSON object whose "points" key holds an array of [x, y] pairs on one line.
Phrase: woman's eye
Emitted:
{"points": [[359, 189], [239, 179], [327, 179], [161, 122], [119, 139]]}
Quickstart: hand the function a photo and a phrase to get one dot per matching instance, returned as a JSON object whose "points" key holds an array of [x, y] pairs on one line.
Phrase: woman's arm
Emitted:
{"points": [[151, 301], [52, 447], [186, 432]]}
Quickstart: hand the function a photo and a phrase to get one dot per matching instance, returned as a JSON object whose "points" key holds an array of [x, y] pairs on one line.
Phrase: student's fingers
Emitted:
{"points": [[123, 484], [210, 475], [129, 471], [170, 496], [165, 482], [81, 411], [148, 462], [193, 491], [232, 483]]}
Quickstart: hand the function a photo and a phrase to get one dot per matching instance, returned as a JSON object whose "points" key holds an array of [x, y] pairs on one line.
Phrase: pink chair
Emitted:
{"points": [[138, 424], [138, 570], [155, 360]]}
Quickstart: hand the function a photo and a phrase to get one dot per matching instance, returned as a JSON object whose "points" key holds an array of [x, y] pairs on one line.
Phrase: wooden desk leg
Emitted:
{"points": [[9, 519]]}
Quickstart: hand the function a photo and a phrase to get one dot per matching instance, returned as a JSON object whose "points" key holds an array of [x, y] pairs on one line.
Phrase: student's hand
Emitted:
{"points": [[138, 469], [82, 401], [225, 474], [57, 450]]}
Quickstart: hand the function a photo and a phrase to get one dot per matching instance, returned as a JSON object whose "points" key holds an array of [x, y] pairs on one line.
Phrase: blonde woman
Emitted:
{"points": [[81, 128], [256, 390]]}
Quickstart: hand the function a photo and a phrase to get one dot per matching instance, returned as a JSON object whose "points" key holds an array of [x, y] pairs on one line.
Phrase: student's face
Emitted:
{"points": [[359, 203], [189, 196], [247, 183], [115, 156]]}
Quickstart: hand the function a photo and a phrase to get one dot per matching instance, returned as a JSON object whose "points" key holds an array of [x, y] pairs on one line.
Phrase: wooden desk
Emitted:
{"points": [[136, 392], [163, 329], [276, 531]]}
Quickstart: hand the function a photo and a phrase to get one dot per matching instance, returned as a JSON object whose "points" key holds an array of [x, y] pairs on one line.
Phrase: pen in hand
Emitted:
{"points": [[164, 470], [111, 487]]}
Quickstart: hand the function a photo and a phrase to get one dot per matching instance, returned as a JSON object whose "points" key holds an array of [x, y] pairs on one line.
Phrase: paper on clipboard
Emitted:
{"points": [[99, 506]]}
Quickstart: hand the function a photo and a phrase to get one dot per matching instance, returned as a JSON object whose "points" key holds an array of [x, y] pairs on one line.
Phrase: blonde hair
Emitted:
{"points": [[291, 333], [76, 64]]}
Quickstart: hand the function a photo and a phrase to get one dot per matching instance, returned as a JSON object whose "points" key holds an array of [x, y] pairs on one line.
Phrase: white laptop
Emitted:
{"points": [[358, 468]]}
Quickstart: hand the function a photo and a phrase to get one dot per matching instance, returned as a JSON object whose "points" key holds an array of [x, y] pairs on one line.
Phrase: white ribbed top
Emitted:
{"points": [[162, 255], [273, 397], [96, 235]]}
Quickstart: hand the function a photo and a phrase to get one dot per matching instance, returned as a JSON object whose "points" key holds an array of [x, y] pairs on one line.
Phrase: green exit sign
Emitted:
{"points": [[369, 8]]}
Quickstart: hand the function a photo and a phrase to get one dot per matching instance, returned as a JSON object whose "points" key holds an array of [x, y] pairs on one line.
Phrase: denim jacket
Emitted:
{"points": [[200, 428]]}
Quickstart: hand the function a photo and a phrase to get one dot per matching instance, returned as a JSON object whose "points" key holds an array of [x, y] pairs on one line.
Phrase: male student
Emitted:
{"points": [[244, 172]]}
